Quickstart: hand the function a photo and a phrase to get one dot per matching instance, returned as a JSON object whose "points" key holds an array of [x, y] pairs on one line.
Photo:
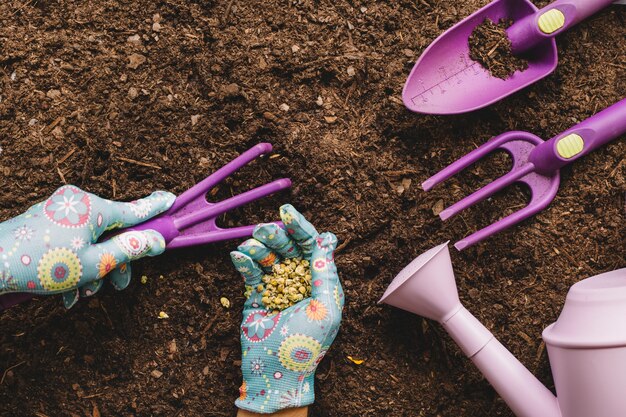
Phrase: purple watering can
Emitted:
{"points": [[586, 345], [191, 220], [445, 80]]}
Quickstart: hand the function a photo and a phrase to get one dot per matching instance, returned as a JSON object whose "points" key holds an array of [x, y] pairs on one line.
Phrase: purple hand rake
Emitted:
{"points": [[191, 220], [536, 163]]}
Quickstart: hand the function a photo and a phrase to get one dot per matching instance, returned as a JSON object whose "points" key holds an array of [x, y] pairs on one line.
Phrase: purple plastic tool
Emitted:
{"points": [[536, 163], [191, 220], [445, 80], [586, 345]]}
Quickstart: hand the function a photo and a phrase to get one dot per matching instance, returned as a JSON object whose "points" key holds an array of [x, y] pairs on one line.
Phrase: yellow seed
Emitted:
{"points": [[163, 315], [259, 288], [144, 279], [225, 302]]}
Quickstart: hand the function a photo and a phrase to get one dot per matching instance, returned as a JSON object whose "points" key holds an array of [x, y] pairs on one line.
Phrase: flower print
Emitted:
{"points": [[285, 216], [243, 391], [77, 243], [259, 325], [23, 233], [59, 269], [290, 399], [257, 366], [284, 331], [243, 269], [134, 244], [338, 297], [7, 283], [319, 264], [68, 207], [298, 352], [107, 264], [140, 208], [268, 260], [306, 387], [316, 310]]}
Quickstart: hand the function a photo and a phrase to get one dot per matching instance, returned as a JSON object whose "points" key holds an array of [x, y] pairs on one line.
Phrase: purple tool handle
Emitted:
{"points": [[595, 131], [525, 33]]}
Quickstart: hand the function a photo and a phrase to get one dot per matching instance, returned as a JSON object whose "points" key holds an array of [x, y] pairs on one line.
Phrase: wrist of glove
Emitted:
{"points": [[281, 350]]}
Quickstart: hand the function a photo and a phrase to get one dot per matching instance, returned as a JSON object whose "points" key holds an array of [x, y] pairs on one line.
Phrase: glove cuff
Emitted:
{"points": [[274, 400]]}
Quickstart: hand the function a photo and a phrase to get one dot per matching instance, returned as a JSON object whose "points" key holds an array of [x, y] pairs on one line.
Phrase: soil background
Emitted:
{"points": [[321, 80]]}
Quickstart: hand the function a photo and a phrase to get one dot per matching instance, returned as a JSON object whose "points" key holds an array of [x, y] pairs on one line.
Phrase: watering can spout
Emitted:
{"points": [[427, 287]]}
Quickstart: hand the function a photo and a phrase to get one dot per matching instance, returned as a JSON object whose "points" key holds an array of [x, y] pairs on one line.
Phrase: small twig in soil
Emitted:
{"points": [[227, 12], [343, 245], [61, 175], [8, 369], [143, 164], [617, 65], [26, 3], [99, 394], [67, 155]]}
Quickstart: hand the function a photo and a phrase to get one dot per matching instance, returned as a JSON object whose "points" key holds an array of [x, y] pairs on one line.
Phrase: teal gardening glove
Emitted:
{"points": [[51, 248], [280, 351]]}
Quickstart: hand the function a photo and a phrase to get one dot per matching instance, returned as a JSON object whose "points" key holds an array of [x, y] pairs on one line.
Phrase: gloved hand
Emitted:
{"points": [[280, 351], [51, 248]]}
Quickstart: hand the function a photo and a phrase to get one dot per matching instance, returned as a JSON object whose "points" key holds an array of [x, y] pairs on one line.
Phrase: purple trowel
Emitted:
{"points": [[191, 220], [445, 80]]}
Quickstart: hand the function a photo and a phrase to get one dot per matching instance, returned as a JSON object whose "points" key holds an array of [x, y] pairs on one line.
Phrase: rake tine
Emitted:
{"points": [[486, 191], [222, 207], [462, 163], [213, 236], [218, 176], [498, 226], [537, 203]]}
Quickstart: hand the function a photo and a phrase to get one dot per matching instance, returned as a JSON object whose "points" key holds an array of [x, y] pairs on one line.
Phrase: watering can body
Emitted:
{"points": [[586, 345]]}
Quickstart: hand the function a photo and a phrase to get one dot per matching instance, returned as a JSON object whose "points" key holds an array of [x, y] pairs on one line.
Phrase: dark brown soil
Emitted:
{"points": [[78, 106], [491, 48]]}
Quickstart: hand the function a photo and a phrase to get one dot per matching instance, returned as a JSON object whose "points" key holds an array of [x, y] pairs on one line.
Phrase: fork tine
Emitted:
{"points": [[194, 239], [214, 210], [486, 191], [497, 227], [218, 176], [539, 201], [467, 160]]}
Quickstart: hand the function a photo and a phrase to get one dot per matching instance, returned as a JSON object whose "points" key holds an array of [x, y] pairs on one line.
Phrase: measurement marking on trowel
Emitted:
{"points": [[447, 78]]}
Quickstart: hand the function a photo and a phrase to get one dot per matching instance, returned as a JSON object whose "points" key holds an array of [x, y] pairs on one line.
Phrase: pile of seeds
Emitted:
{"points": [[289, 282]]}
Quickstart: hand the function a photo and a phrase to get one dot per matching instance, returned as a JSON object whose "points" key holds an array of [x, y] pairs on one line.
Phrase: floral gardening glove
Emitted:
{"points": [[51, 248], [280, 351]]}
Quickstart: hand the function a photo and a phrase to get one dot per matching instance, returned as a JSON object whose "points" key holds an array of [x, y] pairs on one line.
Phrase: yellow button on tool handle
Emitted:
{"points": [[569, 146], [551, 21]]}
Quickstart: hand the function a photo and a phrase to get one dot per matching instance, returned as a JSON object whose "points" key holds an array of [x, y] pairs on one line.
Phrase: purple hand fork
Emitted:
{"points": [[191, 220], [536, 163]]}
